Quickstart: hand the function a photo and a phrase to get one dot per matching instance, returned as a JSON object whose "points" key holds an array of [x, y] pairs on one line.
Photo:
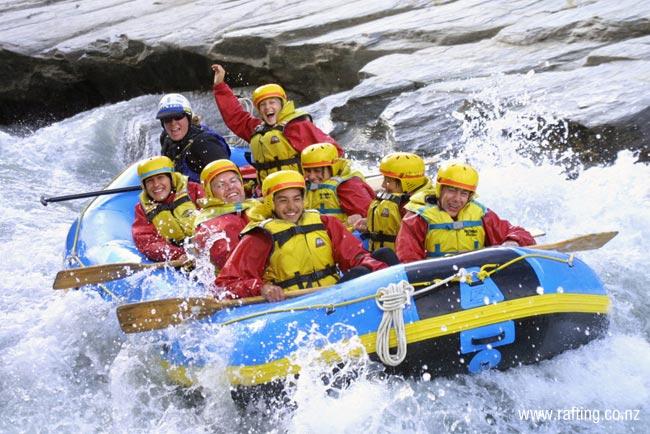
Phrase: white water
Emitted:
{"points": [[66, 367]]}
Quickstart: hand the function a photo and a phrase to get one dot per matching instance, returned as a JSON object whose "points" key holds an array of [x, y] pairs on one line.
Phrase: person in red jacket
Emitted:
{"points": [[448, 221], [222, 215], [333, 188], [164, 215], [287, 247], [280, 133]]}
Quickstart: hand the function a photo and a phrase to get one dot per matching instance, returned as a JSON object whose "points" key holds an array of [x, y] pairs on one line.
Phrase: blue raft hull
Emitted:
{"points": [[538, 305]]}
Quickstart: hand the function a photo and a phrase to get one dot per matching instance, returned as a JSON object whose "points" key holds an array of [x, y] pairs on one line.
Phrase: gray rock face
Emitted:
{"points": [[404, 74]]}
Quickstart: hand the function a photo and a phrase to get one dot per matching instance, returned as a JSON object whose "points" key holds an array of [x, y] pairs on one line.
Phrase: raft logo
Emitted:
{"points": [[579, 414]]}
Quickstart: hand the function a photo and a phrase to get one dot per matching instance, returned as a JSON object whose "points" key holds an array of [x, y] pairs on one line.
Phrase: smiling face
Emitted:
{"points": [[288, 204], [158, 187], [317, 175], [177, 126], [228, 187], [452, 199], [269, 109]]}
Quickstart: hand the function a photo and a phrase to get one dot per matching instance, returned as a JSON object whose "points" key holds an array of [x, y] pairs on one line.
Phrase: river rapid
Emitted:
{"points": [[65, 366]]}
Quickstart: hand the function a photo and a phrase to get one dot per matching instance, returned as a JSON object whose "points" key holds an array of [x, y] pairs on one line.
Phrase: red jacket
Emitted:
{"points": [[355, 196], [146, 237], [299, 132], [228, 224], [243, 272], [412, 232]]}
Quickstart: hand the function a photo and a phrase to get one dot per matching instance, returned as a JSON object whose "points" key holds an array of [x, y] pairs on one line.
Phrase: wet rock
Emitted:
{"points": [[406, 75]]}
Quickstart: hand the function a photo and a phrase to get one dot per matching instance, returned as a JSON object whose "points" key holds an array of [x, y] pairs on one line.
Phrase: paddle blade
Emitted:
{"points": [[577, 244], [159, 314], [76, 277]]}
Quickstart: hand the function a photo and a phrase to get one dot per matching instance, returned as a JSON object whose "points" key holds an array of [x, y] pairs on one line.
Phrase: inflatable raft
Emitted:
{"points": [[491, 309]]}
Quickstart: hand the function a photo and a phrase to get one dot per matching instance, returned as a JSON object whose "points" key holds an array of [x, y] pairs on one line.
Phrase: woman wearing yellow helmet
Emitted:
{"points": [[449, 221], [291, 248], [281, 132], [164, 215]]}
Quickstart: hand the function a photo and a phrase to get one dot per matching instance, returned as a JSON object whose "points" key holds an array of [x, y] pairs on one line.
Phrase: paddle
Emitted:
{"points": [[159, 314], [46, 200], [76, 277], [577, 244]]}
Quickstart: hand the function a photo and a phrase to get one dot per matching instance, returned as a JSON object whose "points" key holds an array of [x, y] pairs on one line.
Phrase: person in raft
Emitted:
{"points": [[287, 247], [222, 215], [280, 133], [447, 220], [404, 175], [190, 145], [333, 188], [164, 215]]}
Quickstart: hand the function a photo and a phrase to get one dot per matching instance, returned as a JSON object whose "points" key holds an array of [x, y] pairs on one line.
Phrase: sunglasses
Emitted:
{"points": [[173, 118]]}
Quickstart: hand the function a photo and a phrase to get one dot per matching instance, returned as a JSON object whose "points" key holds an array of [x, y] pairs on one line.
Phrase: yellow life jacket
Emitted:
{"points": [[323, 196], [447, 236], [174, 221], [302, 254], [213, 207], [270, 149], [384, 220], [384, 217]]}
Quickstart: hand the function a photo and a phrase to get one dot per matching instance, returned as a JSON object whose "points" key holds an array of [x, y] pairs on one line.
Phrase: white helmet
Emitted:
{"points": [[173, 104]]}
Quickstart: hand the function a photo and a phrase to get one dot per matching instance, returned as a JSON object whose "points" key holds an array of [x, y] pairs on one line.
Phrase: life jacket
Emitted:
{"points": [[302, 255], [385, 217], [174, 221], [270, 149], [447, 236], [324, 196], [179, 152], [213, 207]]}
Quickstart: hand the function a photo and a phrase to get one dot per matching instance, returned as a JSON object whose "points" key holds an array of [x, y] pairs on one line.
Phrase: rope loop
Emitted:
{"points": [[392, 300]]}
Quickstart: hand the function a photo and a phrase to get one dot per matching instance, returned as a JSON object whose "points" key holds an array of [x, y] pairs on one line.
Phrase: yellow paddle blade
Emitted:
{"points": [[577, 244], [76, 277], [159, 314]]}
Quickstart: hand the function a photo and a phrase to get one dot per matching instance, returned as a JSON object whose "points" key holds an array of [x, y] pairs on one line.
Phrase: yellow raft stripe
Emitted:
{"points": [[436, 327]]}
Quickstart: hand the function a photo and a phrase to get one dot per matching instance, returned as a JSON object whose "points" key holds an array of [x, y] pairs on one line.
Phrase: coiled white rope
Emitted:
{"points": [[392, 300]]}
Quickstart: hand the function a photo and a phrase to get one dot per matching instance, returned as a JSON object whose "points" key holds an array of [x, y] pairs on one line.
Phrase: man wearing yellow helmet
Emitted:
{"points": [[448, 220], [404, 175], [291, 248], [222, 215], [333, 187], [164, 215], [279, 136]]}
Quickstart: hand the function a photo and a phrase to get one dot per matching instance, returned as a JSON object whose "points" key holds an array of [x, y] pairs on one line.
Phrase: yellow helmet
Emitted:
{"points": [[215, 168], [153, 166], [318, 155], [458, 175], [281, 180], [268, 91], [405, 166]]}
